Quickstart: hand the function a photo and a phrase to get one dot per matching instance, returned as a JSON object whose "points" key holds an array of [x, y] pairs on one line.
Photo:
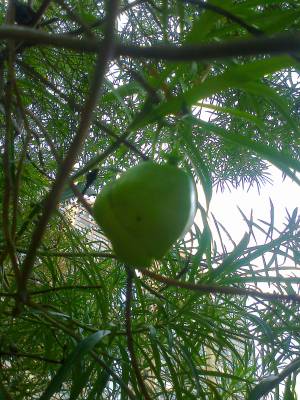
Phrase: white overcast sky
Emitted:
{"points": [[285, 195]]}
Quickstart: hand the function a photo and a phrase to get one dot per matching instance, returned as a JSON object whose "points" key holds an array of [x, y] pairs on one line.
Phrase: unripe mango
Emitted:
{"points": [[146, 210]]}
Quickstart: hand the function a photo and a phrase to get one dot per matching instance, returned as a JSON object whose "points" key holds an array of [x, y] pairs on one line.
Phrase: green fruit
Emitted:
{"points": [[146, 210]]}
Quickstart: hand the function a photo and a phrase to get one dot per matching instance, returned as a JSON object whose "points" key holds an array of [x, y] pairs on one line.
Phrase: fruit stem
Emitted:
{"points": [[173, 158]]}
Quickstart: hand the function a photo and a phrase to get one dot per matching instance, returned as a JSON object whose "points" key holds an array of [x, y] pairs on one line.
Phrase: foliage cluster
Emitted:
{"points": [[107, 85]]}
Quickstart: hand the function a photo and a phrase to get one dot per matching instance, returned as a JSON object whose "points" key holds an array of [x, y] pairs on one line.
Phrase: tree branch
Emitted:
{"points": [[78, 141], [220, 289], [69, 287], [221, 11], [277, 44], [78, 338], [67, 254], [33, 356], [130, 338]]}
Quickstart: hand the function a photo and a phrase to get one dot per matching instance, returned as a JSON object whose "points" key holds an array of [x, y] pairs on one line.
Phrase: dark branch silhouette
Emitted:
{"points": [[24, 14], [90, 179]]}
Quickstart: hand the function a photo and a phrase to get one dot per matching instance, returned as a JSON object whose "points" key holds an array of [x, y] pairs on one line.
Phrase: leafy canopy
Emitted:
{"points": [[105, 85]]}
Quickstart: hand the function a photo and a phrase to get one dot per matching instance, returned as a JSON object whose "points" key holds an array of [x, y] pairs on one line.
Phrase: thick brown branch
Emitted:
{"points": [[8, 168], [279, 44], [78, 141], [130, 338]]}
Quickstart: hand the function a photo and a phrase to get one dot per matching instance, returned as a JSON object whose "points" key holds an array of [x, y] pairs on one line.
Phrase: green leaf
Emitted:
{"points": [[259, 89], [155, 350], [280, 159], [234, 77], [195, 157], [236, 113], [228, 265], [102, 379], [264, 387], [4, 395], [80, 379], [82, 348], [272, 381]]}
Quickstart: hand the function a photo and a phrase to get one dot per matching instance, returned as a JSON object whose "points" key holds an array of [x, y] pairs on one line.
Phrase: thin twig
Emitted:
{"points": [[3, 294], [81, 199], [130, 145], [76, 18], [113, 374], [152, 291], [48, 139], [41, 11], [33, 356], [130, 338], [220, 289], [67, 287], [22, 158], [182, 272], [78, 338], [67, 254], [221, 11], [227, 14], [45, 134], [77, 108], [101, 21], [100, 157]]}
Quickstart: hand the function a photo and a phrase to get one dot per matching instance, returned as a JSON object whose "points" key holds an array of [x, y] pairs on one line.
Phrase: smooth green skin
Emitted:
{"points": [[146, 210]]}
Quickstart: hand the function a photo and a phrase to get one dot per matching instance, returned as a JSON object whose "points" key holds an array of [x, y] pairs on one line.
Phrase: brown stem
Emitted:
{"points": [[81, 199], [76, 107], [86, 118], [76, 18], [28, 355], [41, 11], [70, 332], [20, 165], [220, 289], [56, 289], [130, 338], [6, 394], [8, 167], [103, 20], [221, 11], [68, 254], [278, 44]]}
